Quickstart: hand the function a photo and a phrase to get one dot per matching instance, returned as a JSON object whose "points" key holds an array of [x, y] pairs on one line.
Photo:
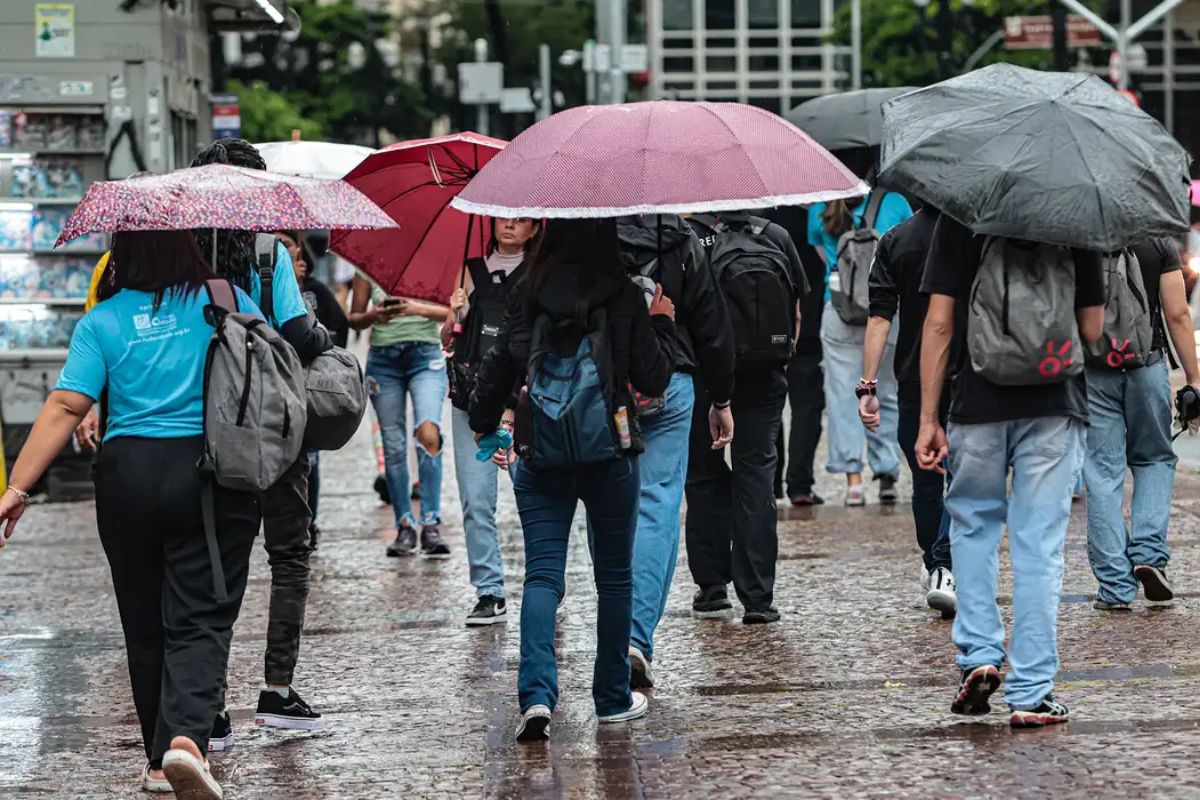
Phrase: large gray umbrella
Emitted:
{"points": [[1045, 156], [846, 120]]}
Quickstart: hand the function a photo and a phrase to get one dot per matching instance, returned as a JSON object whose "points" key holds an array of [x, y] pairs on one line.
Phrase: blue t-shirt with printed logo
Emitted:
{"points": [[150, 360], [285, 291], [893, 210]]}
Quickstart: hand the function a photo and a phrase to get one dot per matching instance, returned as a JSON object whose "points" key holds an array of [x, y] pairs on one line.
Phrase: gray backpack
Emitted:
{"points": [[1021, 328], [1128, 338], [848, 291], [337, 399], [254, 408]]}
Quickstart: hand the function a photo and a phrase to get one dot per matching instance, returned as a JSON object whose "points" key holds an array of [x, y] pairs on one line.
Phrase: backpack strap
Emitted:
{"points": [[208, 511], [221, 294], [265, 255], [477, 269], [874, 201]]}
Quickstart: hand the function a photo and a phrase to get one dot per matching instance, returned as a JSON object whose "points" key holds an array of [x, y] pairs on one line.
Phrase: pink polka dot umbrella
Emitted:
{"points": [[224, 197]]}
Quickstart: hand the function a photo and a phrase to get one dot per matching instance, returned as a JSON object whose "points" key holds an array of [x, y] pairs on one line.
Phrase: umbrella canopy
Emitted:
{"points": [[1050, 157], [312, 159], [221, 196], [847, 120], [414, 183], [656, 157]]}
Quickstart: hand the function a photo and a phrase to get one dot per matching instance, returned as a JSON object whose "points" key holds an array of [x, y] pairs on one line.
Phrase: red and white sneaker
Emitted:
{"points": [[1048, 712]]}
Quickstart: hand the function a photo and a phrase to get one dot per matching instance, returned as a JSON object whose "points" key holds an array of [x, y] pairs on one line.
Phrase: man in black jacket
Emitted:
{"points": [[662, 249], [731, 519]]}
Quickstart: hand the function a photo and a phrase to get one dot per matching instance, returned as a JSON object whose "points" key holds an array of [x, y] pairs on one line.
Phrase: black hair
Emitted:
{"points": [[154, 262], [235, 249], [588, 243], [301, 240]]}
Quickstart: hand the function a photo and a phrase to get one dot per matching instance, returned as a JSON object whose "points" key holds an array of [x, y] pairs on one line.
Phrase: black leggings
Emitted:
{"points": [[177, 633]]}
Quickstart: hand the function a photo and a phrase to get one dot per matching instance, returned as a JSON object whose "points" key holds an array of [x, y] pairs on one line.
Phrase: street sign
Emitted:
{"points": [[518, 100], [226, 116], [480, 83], [635, 58], [602, 58], [1137, 57], [1037, 33]]}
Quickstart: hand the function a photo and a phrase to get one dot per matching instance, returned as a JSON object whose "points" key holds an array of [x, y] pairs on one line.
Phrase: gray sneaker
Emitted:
{"points": [[405, 543], [432, 545]]}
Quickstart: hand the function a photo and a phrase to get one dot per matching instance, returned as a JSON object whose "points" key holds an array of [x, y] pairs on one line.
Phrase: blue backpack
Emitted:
{"points": [[570, 397]]}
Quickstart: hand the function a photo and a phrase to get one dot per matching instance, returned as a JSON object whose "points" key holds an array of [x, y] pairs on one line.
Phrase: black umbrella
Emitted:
{"points": [[1045, 156], [846, 120]]}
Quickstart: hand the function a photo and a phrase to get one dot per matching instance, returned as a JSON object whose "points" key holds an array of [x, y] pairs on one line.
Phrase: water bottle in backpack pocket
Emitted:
{"points": [[1128, 338], [1021, 327], [849, 292], [570, 395]]}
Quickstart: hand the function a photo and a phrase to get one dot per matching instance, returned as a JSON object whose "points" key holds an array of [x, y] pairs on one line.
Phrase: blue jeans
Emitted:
{"points": [[842, 347], [656, 546], [394, 373], [1130, 426], [1043, 454], [546, 500], [477, 491], [928, 493]]}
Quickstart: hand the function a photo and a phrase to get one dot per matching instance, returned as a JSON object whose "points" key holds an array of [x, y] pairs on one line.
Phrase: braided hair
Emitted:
{"points": [[235, 249]]}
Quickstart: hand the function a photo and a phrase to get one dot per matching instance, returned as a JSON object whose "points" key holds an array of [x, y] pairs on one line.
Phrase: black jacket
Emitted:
{"points": [[704, 342], [794, 220], [642, 348]]}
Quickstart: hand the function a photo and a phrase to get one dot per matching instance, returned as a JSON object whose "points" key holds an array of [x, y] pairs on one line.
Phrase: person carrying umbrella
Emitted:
{"points": [[1035, 173]]}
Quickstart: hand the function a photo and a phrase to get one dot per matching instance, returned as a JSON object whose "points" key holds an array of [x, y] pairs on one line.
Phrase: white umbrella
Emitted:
{"points": [[326, 160]]}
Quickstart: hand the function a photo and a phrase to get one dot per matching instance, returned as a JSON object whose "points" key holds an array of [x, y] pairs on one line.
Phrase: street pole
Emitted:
{"points": [[1123, 43], [481, 110], [855, 44], [1058, 14], [589, 71], [945, 27], [1169, 72], [547, 90], [616, 69]]}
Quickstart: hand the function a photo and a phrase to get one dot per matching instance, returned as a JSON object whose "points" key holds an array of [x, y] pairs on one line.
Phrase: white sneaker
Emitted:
{"points": [[190, 778], [941, 595], [535, 724], [640, 675], [155, 785], [856, 495], [637, 709], [924, 579]]}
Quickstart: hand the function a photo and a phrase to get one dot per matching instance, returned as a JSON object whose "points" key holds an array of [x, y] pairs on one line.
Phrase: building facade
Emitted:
{"points": [[769, 53]]}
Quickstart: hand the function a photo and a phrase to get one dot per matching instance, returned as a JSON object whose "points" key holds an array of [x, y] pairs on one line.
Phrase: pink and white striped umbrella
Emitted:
{"points": [[656, 157]]}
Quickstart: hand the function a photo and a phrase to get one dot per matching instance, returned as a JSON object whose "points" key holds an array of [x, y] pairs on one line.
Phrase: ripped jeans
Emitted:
{"points": [[395, 373]]}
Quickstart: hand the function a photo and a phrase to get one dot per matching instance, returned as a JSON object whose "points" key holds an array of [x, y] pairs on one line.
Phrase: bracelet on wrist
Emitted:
{"points": [[865, 388], [722, 406], [23, 495]]}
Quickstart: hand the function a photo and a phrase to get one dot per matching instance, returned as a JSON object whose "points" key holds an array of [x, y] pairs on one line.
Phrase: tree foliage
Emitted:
{"points": [[268, 116]]}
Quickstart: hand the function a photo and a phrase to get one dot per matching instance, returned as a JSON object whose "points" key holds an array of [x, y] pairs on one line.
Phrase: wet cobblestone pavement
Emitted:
{"points": [[847, 697]]}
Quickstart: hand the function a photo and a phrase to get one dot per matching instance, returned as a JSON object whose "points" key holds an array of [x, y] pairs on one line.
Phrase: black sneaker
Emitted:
{"points": [[761, 616], [807, 499], [977, 686], [1155, 583], [488, 611], [432, 545], [1048, 712], [291, 712], [888, 494], [381, 488], [405, 543], [314, 537], [221, 737], [711, 601]]}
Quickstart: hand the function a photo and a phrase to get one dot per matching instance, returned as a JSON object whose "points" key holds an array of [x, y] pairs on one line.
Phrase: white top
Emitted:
{"points": [[499, 262]]}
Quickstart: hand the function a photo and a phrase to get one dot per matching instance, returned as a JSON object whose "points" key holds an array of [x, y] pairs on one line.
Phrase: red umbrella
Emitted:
{"points": [[657, 157], [414, 182], [221, 196]]}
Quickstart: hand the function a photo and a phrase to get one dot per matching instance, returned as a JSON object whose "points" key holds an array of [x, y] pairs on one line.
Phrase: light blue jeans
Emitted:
{"points": [[477, 491], [1130, 415], [842, 348], [394, 373], [1043, 454], [656, 543]]}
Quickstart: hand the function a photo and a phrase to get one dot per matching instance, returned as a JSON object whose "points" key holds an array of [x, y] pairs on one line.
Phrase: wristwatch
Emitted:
{"points": [[865, 388]]}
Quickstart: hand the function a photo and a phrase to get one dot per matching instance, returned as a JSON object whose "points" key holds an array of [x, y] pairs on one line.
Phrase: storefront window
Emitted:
{"points": [[719, 14], [677, 15], [806, 13], [763, 13]]}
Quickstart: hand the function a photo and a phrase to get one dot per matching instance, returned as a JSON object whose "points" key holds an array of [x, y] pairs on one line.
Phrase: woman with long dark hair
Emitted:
{"points": [[577, 288], [478, 309], [145, 345]]}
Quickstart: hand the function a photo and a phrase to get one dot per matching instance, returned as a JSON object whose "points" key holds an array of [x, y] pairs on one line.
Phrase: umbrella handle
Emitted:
{"points": [[457, 328]]}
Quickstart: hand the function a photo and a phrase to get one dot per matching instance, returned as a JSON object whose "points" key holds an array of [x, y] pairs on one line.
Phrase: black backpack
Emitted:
{"points": [[755, 277], [489, 306]]}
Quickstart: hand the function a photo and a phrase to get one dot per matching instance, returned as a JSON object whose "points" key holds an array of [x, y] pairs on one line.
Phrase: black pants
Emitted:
{"points": [[176, 631], [806, 396], [286, 520], [731, 517], [933, 531]]}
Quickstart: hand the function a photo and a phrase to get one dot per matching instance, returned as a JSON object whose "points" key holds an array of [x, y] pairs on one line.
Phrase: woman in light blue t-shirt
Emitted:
{"points": [[144, 347]]}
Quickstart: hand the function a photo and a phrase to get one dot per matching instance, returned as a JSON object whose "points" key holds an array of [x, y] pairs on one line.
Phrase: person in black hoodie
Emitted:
{"points": [[576, 273], [663, 249]]}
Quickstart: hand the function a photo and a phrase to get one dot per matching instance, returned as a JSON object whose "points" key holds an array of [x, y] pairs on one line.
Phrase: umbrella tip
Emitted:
{"points": [[295, 134]]}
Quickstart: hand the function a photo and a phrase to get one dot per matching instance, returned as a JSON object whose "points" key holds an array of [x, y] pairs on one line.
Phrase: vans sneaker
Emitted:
{"points": [[155, 785], [277, 711], [221, 737], [535, 724], [941, 595], [977, 686], [488, 611], [1047, 712], [189, 776], [636, 709], [889, 495], [1104, 605], [640, 675], [1155, 583]]}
